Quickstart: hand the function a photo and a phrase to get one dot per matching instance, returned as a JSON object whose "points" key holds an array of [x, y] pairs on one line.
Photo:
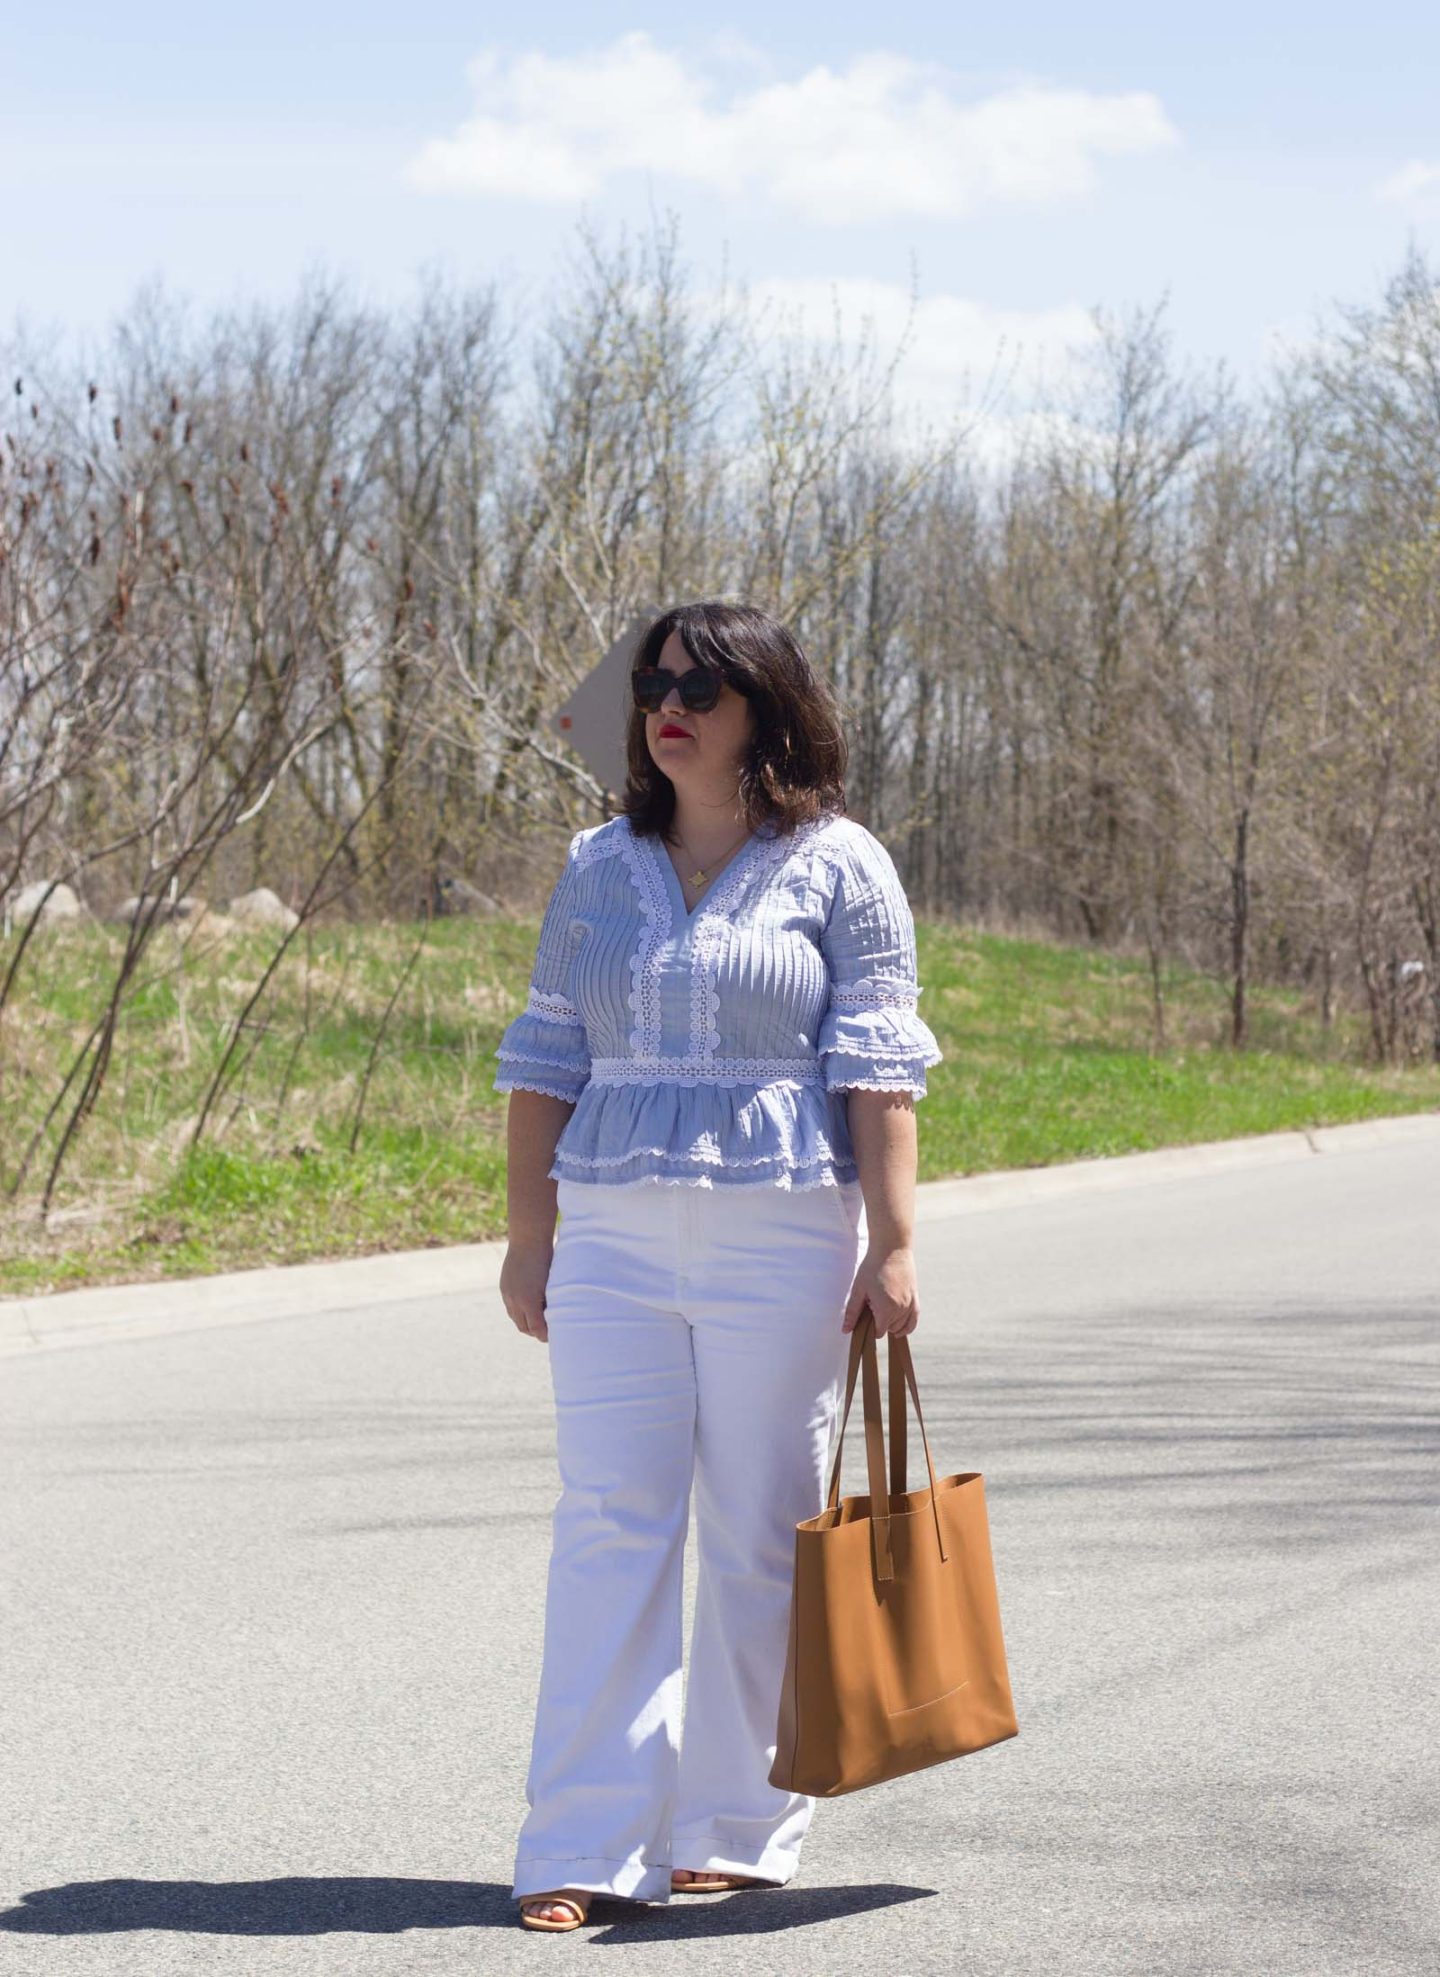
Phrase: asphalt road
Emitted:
{"points": [[273, 1597]]}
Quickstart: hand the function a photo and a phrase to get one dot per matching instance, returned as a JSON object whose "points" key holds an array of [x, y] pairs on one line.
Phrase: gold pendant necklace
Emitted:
{"points": [[700, 877]]}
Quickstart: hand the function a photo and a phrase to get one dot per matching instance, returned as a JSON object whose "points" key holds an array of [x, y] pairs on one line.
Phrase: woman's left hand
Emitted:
{"points": [[885, 1281]]}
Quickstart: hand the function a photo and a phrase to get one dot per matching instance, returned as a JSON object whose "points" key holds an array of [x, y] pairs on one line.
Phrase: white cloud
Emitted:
{"points": [[962, 360], [950, 336], [883, 136], [1412, 181]]}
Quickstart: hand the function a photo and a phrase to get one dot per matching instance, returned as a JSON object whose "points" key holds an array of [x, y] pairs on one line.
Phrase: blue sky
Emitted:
{"points": [[1255, 162]]}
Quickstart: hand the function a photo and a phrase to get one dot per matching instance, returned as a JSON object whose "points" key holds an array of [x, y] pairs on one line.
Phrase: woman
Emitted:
{"points": [[713, 1081]]}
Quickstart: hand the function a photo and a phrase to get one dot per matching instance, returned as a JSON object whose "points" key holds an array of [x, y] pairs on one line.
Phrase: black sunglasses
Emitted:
{"points": [[699, 689]]}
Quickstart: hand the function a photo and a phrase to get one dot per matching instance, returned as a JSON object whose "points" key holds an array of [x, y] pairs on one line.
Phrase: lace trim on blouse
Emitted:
{"points": [[551, 1008], [868, 993], [706, 1070], [527, 1081], [508, 1055], [644, 997], [702, 1156], [786, 1179]]}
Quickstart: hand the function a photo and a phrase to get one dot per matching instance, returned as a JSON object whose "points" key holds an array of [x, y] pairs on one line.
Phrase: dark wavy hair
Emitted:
{"points": [[794, 769]]}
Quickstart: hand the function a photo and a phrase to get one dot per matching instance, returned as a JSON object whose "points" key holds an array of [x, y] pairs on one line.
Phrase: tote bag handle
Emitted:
{"points": [[902, 1375]]}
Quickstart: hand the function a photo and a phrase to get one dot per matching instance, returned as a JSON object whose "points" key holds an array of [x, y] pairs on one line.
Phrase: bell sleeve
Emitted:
{"points": [[872, 1037], [545, 1048]]}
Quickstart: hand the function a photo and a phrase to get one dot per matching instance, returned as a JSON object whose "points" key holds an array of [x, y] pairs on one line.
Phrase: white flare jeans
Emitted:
{"points": [[694, 1339]]}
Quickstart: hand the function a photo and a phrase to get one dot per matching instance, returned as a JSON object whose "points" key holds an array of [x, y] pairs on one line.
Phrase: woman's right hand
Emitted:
{"points": [[533, 1125], [523, 1276]]}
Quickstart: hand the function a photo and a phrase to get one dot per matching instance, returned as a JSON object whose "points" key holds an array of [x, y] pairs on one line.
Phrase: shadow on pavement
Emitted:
{"points": [[317, 1905], [746, 1912]]}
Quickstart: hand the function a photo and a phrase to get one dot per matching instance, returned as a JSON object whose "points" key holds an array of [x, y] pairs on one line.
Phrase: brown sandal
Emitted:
{"points": [[718, 1885], [557, 1898]]}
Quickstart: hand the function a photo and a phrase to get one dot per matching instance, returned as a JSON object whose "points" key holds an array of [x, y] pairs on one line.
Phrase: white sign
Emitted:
{"points": [[593, 720]]}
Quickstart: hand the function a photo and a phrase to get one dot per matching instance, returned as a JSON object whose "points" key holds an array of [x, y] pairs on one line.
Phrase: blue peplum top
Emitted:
{"points": [[715, 1047]]}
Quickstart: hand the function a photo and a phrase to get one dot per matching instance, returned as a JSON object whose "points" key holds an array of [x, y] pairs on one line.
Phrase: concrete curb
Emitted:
{"points": [[973, 1192], [136, 1311]]}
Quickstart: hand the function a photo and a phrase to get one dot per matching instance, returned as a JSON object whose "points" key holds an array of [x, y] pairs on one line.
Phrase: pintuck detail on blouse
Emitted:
{"points": [[715, 1047]]}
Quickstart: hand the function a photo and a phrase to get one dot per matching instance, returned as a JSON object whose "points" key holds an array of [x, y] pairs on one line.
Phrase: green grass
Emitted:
{"points": [[1048, 1058]]}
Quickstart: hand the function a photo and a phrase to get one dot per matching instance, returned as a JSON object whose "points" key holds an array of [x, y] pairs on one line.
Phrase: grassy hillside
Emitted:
{"points": [[1047, 1059]]}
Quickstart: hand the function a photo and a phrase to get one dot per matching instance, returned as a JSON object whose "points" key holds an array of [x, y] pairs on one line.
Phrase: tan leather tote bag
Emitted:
{"points": [[895, 1659]]}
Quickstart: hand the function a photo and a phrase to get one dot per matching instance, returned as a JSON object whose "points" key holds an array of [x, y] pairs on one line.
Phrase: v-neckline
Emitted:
{"points": [[688, 916]]}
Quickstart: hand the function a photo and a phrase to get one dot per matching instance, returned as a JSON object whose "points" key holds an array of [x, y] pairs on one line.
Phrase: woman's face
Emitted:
{"points": [[707, 747]]}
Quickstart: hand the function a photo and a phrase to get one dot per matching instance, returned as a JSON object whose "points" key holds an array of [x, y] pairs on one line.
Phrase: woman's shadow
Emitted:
{"points": [[380, 1905]]}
